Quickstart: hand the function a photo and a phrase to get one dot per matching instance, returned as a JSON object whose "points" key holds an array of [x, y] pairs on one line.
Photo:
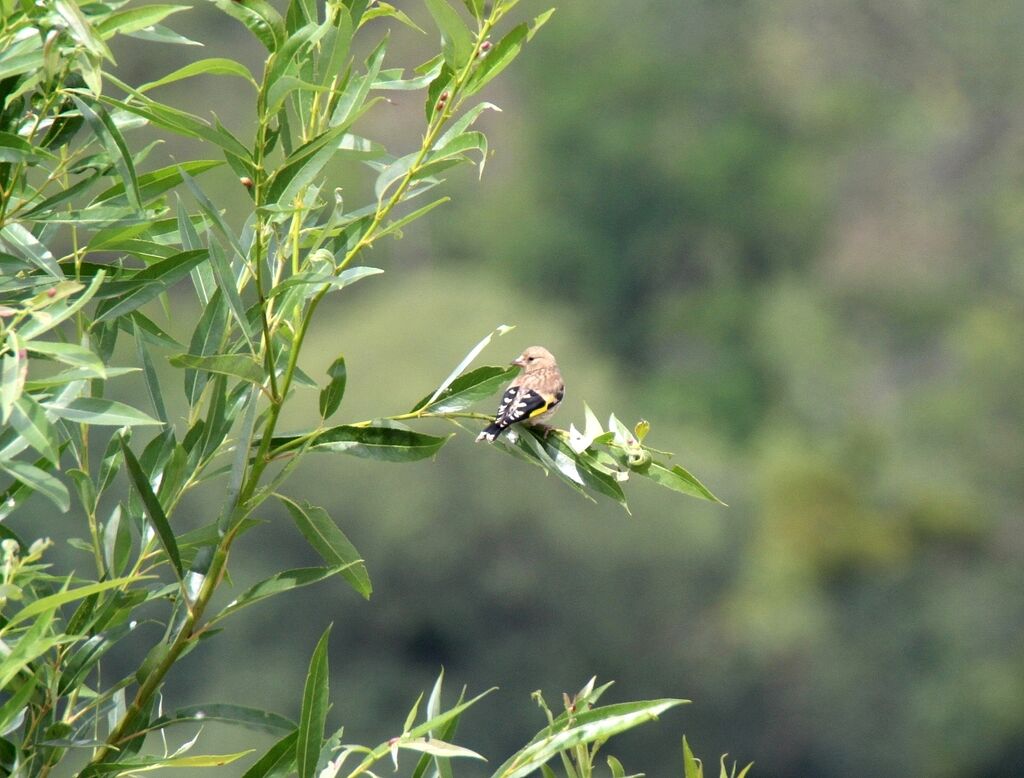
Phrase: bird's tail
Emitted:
{"points": [[490, 434]]}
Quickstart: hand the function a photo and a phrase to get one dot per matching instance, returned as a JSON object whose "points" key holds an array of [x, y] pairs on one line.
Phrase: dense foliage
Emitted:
{"points": [[95, 238]]}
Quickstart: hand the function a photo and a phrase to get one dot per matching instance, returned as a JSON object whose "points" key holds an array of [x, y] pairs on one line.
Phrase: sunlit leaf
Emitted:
{"points": [[330, 542]]}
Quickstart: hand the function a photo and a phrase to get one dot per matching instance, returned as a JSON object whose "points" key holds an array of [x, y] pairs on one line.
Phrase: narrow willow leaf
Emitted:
{"points": [[250, 718], [226, 284], [436, 747], [332, 394], [353, 100], [39, 481], [12, 375], [468, 389], [149, 373], [95, 410], [284, 581], [29, 419], [237, 365], [110, 137], [213, 66], [16, 149], [143, 286], [456, 39], [326, 277], [330, 542], [597, 724], [692, 767], [81, 29], [23, 241], [153, 508], [498, 58], [156, 182], [678, 479], [117, 542], [259, 17], [395, 227], [51, 602], [473, 352], [135, 19], [85, 657], [69, 354], [437, 722], [315, 701], [206, 340], [385, 444], [55, 314], [215, 216], [278, 761], [582, 467], [145, 764]]}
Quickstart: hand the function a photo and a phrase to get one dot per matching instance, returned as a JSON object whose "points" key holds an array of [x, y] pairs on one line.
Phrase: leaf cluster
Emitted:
{"points": [[95, 240]]}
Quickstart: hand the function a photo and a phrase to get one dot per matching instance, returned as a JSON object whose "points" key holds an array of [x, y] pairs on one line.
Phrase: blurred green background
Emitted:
{"points": [[789, 234]]}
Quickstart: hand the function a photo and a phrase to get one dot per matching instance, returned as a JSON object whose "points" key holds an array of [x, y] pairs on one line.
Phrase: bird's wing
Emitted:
{"points": [[520, 403]]}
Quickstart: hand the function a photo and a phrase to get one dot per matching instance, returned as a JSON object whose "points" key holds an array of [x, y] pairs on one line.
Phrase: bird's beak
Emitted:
{"points": [[519, 361]]}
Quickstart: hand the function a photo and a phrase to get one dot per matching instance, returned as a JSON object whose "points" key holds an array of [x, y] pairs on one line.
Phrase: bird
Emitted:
{"points": [[532, 397]]}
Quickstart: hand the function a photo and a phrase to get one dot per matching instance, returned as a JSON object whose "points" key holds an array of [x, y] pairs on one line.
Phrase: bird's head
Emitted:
{"points": [[535, 358]]}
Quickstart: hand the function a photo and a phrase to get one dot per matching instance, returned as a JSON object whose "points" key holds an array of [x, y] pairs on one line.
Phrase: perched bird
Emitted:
{"points": [[533, 397]]}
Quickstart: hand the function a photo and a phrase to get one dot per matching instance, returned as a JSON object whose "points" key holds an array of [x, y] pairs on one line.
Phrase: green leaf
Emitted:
{"points": [[468, 389], [436, 747], [237, 365], [135, 19], [597, 724], [117, 542], [473, 352], [456, 39], [156, 182], [81, 30], [250, 718], [147, 284], [284, 581], [261, 19], [306, 162], [215, 216], [39, 481], [213, 66], [12, 376], [677, 479], [330, 542], [385, 444], [498, 58], [52, 602], [158, 763], [110, 137], [29, 419], [31, 249], [85, 657], [313, 716], [153, 508], [326, 277], [226, 284], [332, 394], [149, 373], [95, 410], [16, 149], [397, 225], [206, 340], [69, 354], [692, 767], [278, 760]]}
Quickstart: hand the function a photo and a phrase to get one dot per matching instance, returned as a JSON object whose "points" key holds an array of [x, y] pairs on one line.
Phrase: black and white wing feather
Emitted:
{"points": [[518, 404]]}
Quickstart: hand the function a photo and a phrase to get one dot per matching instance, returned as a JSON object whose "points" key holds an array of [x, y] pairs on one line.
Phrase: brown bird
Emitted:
{"points": [[533, 397]]}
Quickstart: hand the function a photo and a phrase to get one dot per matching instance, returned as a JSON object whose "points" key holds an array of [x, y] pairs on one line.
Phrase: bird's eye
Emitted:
{"points": [[530, 359]]}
